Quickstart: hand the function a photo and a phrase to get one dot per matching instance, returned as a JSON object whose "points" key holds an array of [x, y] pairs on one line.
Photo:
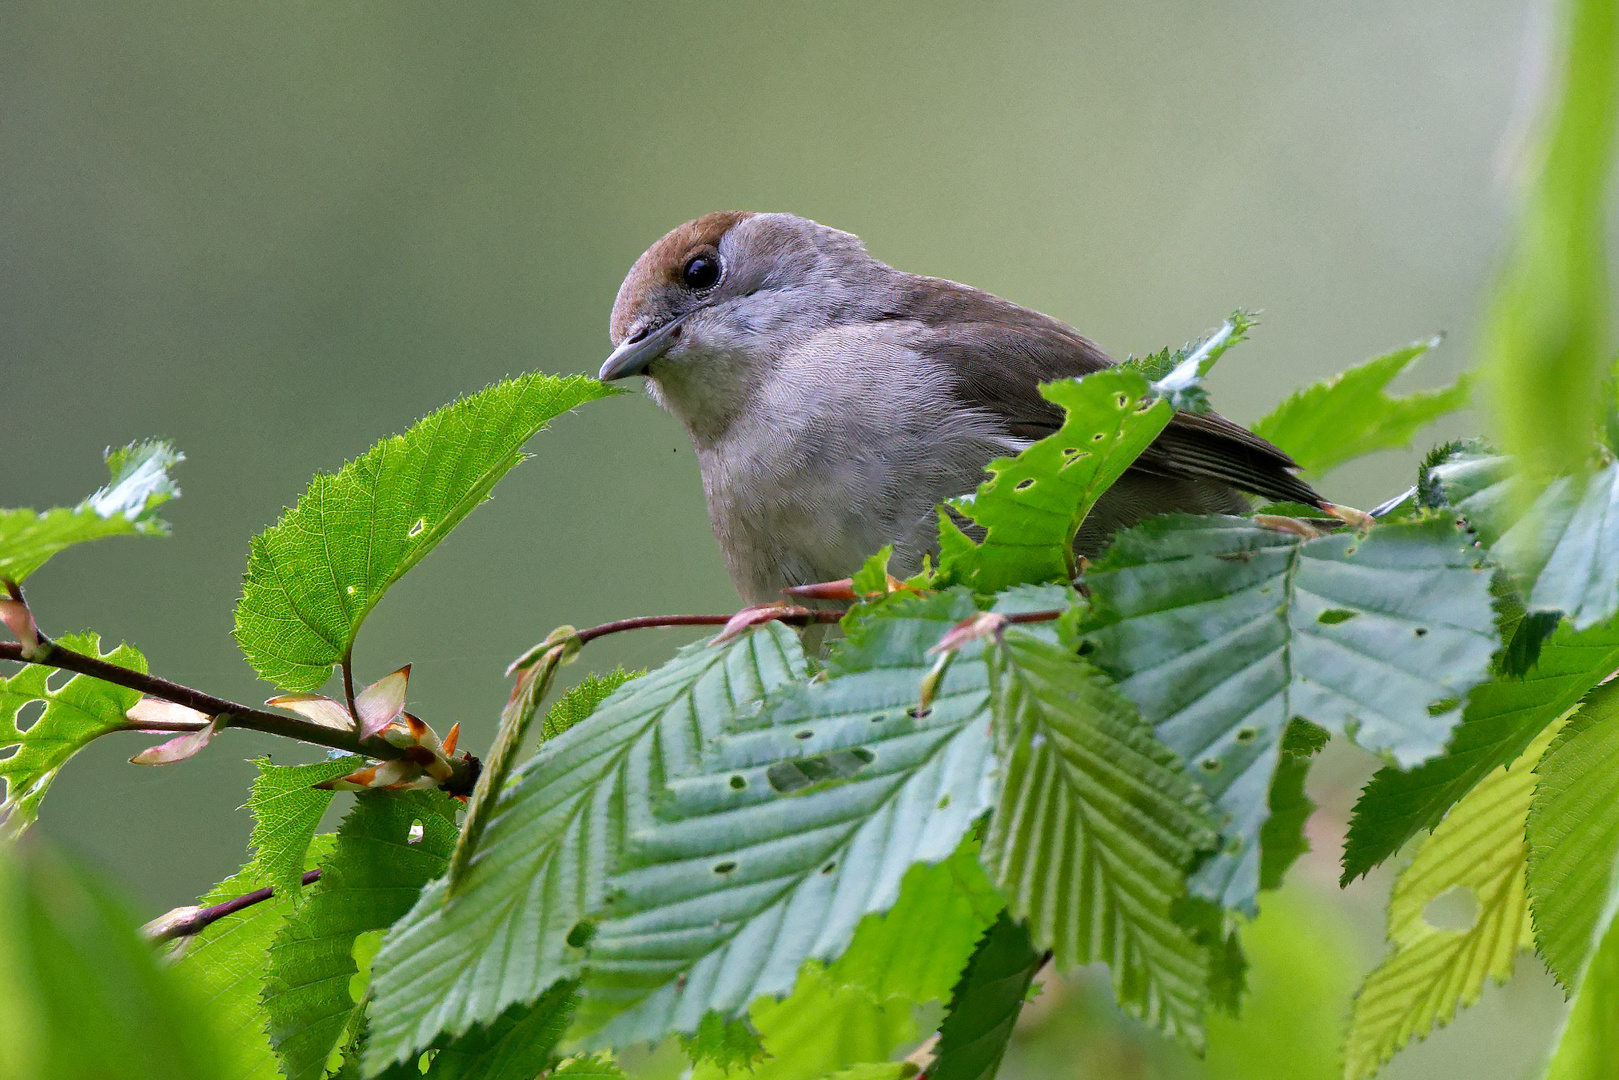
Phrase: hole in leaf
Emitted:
{"points": [[1209, 764], [861, 754], [1085, 648], [1247, 734], [414, 834], [1121, 400], [787, 777], [879, 718], [1421, 631], [829, 867], [1442, 706], [1454, 909], [580, 933], [738, 782], [1069, 453], [29, 714], [350, 589], [917, 714], [1098, 437], [1024, 485], [1333, 616], [1350, 550], [416, 529], [944, 803], [724, 867], [805, 734]]}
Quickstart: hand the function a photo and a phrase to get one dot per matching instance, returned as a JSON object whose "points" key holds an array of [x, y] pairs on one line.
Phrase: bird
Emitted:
{"points": [[834, 402]]}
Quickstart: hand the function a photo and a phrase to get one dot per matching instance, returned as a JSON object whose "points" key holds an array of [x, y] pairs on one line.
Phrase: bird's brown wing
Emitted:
{"points": [[1000, 353]]}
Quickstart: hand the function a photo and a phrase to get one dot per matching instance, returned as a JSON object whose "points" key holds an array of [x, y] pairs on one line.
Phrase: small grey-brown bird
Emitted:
{"points": [[834, 402]]}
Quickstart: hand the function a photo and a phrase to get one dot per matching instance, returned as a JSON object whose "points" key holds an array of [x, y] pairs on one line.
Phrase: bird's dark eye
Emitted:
{"points": [[700, 272]]}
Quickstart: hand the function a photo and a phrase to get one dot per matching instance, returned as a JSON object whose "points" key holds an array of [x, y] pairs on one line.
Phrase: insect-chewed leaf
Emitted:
{"points": [[1433, 971], [314, 576], [518, 924], [1096, 830], [1222, 632], [371, 878], [126, 506], [75, 712], [1033, 504], [287, 808], [1502, 717], [985, 1004], [1574, 837], [792, 827], [1338, 419], [1563, 550]]}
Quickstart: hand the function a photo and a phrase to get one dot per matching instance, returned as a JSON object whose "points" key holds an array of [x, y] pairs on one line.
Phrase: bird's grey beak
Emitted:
{"points": [[632, 357]]}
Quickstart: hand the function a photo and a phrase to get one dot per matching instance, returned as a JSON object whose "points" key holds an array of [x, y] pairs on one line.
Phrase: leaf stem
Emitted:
{"points": [[168, 927], [240, 716]]}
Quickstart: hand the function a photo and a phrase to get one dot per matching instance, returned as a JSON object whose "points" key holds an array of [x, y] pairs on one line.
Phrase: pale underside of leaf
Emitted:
{"points": [[541, 867], [1223, 632], [1432, 972], [791, 829]]}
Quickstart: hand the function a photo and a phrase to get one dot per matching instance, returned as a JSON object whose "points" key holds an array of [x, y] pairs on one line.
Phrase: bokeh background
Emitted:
{"points": [[276, 231]]}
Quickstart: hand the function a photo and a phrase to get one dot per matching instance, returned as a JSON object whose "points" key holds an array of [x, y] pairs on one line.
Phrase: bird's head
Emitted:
{"points": [[705, 312]]}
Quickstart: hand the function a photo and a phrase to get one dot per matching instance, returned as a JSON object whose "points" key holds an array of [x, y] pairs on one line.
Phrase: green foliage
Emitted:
{"points": [[314, 576], [985, 1003], [1589, 1043], [75, 712], [126, 506], [1095, 832], [1574, 836], [287, 808], [1281, 838], [723, 1043], [947, 904], [808, 813], [1223, 631], [1502, 717], [594, 1067], [81, 994], [372, 877], [1339, 419], [820, 1029], [1033, 505], [228, 961], [582, 700], [1178, 375], [1433, 971], [518, 1046], [1545, 344], [518, 926]]}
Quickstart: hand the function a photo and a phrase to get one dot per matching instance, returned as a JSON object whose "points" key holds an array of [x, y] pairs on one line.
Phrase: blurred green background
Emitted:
{"points": [[274, 232]]}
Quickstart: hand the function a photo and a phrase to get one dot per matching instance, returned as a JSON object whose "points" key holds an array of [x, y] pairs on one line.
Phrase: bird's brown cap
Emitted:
{"points": [[660, 266]]}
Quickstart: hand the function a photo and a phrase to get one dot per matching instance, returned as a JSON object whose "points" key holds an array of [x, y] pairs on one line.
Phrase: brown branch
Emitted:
{"points": [[239, 715], [183, 922], [798, 618]]}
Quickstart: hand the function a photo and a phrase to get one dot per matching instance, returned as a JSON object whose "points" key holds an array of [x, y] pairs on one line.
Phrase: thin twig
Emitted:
{"points": [[239, 715], [645, 622], [183, 922]]}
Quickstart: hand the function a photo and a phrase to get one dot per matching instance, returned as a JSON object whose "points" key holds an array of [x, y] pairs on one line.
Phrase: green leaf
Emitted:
{"points": [[1563, 551], [538, 875], [127, 506], [1589, 1043], [1502, 717], [1095, 832], [582, 700], [314, 576], [723, 1043], [1338, 419], [287, 808], [228, 960], [1281, 838], [985, 1004], [1433, 971], [1223, 631], [373, 876], [794, 825], [75, 712], [1574, 836], [821, 1028], [948, 905], [82, 995], [1545, 347], [1033, 505], [518, 1046], [1178, 375], [594, 1067]]}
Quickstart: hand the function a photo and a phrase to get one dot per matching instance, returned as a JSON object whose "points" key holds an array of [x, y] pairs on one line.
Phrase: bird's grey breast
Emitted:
{"points": [[854, 440]]}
